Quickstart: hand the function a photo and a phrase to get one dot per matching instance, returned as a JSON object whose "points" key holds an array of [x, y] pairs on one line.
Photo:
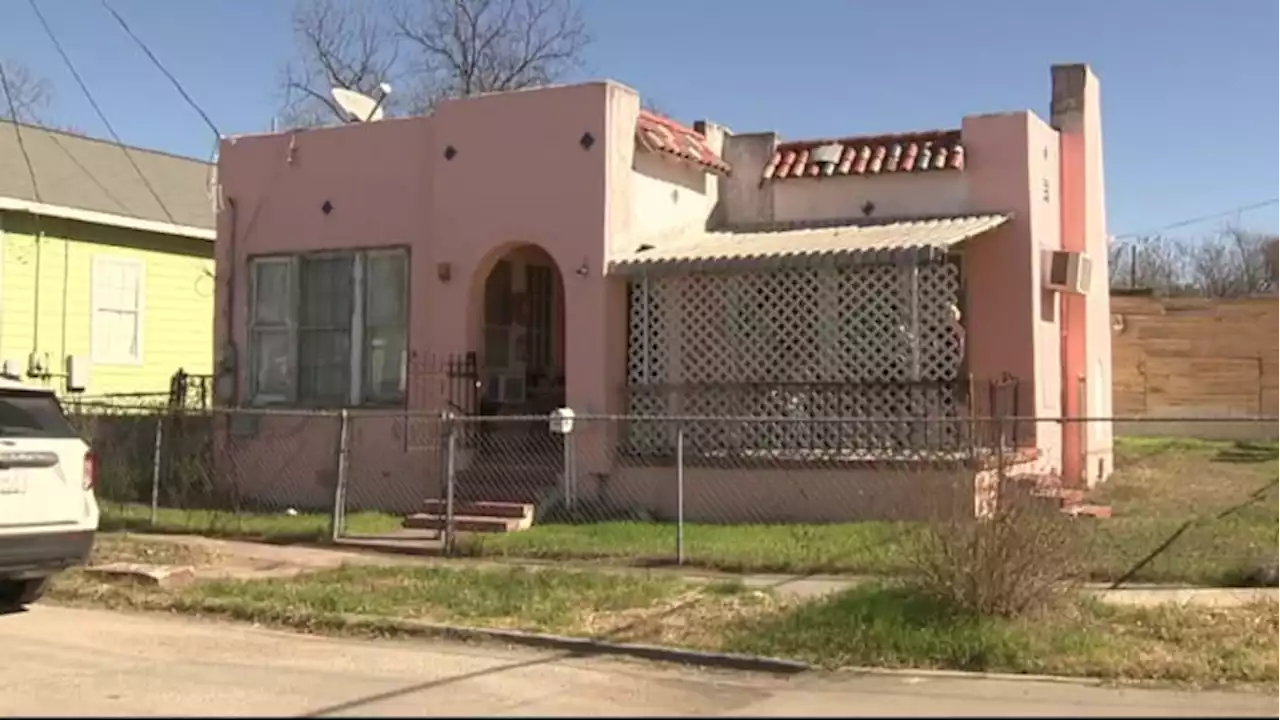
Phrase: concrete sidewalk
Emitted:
{"points": [[250, 560]]}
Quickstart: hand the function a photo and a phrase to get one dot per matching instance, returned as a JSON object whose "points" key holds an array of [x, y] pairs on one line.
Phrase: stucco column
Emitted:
{"points": [[595, 363], [1086, 378]]}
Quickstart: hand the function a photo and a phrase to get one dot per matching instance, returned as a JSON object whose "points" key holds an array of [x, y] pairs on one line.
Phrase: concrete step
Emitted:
{"points": [[1065, 497], [468, 523], [480, 508], [1101, 512]]}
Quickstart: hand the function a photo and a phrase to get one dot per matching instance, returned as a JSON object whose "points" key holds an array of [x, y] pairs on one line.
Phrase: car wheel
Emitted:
{"points": [[16, 593]]}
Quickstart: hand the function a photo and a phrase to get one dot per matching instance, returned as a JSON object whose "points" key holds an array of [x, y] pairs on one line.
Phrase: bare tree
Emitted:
{"points": [[444, 48], [341, 43], [1234, 263], [468, 47], [24, 95], [1149, 262], [653, 106]]}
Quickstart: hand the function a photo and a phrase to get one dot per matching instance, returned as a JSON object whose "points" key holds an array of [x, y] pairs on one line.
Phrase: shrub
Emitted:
{"points": [[1018, 560]]}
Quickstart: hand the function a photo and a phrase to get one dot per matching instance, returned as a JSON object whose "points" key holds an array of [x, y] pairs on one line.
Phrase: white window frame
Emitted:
{"points": [[96, 306], [289, 328], [356, 392]]}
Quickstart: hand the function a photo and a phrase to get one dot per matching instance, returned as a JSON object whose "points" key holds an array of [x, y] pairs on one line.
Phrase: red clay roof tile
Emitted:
{"points": [[660, 134], [872, 155]]}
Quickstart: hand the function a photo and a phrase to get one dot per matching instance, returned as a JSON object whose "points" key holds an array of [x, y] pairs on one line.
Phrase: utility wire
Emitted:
{"points": [[17, 129], [53, 135], [101, 115], [1199, 219], [160, 66]]}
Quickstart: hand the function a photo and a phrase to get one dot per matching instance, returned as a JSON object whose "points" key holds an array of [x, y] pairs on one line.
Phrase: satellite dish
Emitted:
{"points": [[358, 107]]}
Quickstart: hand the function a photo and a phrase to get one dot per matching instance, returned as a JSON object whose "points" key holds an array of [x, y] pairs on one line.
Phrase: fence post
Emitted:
{"points": [[338, 518], [680, 494], [999, 494], [450, 471], [570, 480], [157, 460]]}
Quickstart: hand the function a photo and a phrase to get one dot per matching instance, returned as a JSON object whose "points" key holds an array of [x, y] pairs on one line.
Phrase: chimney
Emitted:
{"points": [[744, 197], [1077, 116], [1076, 113]]}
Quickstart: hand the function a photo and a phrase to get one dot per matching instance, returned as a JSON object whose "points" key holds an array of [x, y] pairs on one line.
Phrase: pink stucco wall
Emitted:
{"points": [[520, 174], [1077, 113]]}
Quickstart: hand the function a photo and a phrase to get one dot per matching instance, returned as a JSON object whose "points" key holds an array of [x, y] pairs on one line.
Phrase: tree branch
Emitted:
{"points": [[29, 94]]}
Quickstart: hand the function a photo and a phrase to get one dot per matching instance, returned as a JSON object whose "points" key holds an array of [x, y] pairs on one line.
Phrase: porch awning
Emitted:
{"points": [[869, 242]]}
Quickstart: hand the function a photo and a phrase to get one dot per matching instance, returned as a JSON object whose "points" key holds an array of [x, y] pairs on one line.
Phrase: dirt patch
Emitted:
{"points": [[230, 559]]}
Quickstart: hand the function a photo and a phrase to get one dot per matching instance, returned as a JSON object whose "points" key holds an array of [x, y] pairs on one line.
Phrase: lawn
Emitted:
{"points": [[370, 599], [875, 624], [271, 527], [888, 626], [1157, 487]]}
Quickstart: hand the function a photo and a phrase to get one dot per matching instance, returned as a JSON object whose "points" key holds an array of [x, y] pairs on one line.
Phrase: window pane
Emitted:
{"points": [[386, 289], [117, 285], [271, 372], [33, 415], [384, 363], [324, 365], [271, 292], [497, 346], [115, 335], [497, 295], [325, 299]]}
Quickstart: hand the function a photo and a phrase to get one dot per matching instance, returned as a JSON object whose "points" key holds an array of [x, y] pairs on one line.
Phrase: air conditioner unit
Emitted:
{"points": [[1067, 272], [505, 388]]}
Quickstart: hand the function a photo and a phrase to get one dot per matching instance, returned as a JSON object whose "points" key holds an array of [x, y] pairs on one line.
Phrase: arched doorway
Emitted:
{"points": [[522, 335]]}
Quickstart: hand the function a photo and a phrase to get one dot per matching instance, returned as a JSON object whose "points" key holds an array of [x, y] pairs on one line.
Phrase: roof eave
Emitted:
{"points": [[108, 219], [688, 260], [798, 260]]}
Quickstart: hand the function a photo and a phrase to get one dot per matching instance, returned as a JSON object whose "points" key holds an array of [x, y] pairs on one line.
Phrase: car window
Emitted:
{"points": [[36, 415]]}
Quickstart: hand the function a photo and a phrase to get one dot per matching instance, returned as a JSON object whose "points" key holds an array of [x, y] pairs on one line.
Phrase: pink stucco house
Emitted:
{"points": [[561, 246]]}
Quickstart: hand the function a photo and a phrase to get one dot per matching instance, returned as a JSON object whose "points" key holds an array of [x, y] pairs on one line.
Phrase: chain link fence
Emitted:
{"points": [[214, 472], [763, 494], [846, 495]]}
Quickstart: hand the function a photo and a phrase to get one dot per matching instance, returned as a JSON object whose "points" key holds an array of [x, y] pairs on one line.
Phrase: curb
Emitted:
{"points": [[706, 659], [590, 646], [973, 675]]}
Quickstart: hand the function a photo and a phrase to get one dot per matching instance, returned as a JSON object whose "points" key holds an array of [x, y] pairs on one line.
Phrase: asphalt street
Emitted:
{"points": [[60, 661]]}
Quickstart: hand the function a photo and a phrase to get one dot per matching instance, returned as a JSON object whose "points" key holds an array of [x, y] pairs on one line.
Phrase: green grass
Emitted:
{"points": [[530, 599], [864, 548], [873, 624], [889, 626], [273, 527], [548, 600], [1158, 485]]}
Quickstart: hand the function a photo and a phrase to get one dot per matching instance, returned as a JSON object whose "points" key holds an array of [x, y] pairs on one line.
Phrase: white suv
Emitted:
{"points": [[48, 514]]}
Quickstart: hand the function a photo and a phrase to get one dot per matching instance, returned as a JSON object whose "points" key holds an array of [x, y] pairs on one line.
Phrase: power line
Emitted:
{"points": [[160, 66], [53, 135], [94, 104], [1198, 219], [17, 129]]}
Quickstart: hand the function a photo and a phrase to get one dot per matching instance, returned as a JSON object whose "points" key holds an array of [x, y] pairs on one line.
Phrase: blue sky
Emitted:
{"points": [[1189, 88]]}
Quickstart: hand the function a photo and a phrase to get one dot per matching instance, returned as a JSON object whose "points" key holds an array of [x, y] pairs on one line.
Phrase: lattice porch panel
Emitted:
{"points": [[869, 420], [647, 335], [647, 438], [727, 345], [870, 324], [939, 292]]}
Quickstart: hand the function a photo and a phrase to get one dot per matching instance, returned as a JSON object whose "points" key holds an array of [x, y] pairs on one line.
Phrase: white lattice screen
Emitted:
{"points": [[871, 341]]}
